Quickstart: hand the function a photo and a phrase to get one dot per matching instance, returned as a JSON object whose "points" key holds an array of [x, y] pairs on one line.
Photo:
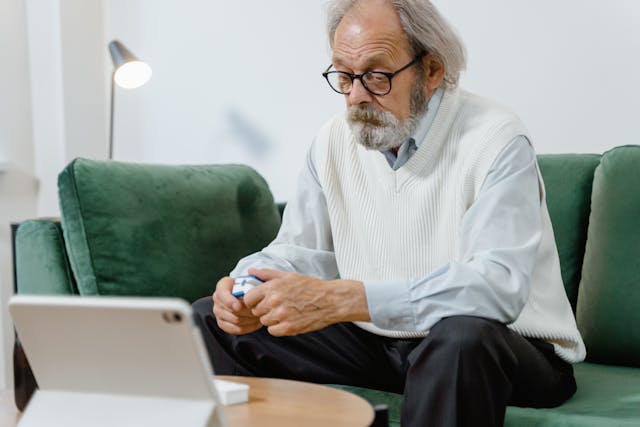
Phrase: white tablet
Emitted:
{"points": [[115, 361]]}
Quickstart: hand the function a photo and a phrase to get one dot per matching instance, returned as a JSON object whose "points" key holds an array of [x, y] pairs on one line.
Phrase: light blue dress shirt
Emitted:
{"points": [[500, 233]]}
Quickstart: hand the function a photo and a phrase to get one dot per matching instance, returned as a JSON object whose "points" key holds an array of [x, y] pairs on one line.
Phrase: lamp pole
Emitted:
{"points": [[113, 73], [128, 72]]}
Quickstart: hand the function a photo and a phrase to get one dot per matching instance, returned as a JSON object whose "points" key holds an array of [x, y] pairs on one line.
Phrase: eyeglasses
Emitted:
{"points": [[375, 82]]}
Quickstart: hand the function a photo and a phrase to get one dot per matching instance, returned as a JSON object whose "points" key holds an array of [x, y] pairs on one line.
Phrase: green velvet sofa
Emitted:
{"points": [[151, 230]]}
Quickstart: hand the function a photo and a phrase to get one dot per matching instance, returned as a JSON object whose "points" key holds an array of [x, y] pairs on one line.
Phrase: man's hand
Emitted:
{"points": [[231, 313], [291, 303]]}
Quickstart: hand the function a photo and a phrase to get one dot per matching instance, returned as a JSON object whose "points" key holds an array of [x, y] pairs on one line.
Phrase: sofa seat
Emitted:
{"points": [[607, 396]]}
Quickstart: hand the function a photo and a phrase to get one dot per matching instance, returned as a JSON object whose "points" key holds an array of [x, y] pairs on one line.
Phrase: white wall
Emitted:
{"points": [[52, 109], [236, 82], [569, 68], [67, 57], [15, 108], [45, 73], [17, 185]]}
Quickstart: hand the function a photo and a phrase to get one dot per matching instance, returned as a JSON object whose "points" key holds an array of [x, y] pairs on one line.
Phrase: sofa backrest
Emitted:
{"points": [[133, 229], [568, 179], [608, 310], [594, 204]]}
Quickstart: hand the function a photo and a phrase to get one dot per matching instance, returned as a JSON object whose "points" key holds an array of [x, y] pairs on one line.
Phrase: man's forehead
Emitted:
{"points": [[365, 57]]}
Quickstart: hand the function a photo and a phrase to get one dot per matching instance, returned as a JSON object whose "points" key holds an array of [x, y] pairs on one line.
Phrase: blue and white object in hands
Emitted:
{"points": [[244, 284]]}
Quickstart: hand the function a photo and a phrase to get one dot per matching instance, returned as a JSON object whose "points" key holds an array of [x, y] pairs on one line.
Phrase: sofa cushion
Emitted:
{"points": [[568, 179], [608, 312], [42, 266], [607, 396], [157, 230]]}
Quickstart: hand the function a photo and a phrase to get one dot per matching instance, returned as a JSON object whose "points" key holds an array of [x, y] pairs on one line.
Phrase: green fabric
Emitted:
{"points": [[41, 262], [568, 179], [153, 230], [377, 397], [609, 298], [606, 396]]}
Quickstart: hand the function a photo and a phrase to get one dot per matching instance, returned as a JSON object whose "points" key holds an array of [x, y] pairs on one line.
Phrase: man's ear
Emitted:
{"points": [[434, 70]]}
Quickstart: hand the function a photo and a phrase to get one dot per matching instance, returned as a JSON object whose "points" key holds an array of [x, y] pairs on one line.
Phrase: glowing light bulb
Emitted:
{"points": [[132, 74]]}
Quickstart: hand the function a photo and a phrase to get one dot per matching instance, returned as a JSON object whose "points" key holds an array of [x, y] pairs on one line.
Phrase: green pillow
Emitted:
{"points": [[157, 230], [609, 296]]}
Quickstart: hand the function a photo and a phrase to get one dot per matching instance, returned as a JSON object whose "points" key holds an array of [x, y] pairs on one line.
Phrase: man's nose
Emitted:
{"points": [[358, 94]]}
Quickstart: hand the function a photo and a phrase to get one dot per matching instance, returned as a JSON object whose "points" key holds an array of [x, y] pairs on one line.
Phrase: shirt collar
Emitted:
{"points": [[427, 119], [411, 145]]}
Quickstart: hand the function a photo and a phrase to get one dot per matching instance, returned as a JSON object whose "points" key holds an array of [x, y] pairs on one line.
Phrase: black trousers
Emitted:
{"points": [[464, 373]]}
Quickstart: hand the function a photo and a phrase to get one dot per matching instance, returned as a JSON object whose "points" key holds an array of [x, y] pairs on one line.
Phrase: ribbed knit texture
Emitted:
{"points": [[392, 225]]}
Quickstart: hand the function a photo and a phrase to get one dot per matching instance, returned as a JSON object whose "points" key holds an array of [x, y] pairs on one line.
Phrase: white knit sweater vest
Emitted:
{"points": [[391, 225]]}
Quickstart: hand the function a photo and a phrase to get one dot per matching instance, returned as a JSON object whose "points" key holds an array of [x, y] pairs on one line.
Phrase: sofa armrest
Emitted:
{"points": [[42, 265]]}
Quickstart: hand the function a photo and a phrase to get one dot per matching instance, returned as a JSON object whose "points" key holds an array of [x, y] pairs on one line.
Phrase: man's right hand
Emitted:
{"points": [[231, 314]]}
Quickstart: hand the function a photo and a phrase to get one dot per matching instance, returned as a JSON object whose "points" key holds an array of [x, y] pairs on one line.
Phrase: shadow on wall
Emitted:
{"points": [[247, 133]]}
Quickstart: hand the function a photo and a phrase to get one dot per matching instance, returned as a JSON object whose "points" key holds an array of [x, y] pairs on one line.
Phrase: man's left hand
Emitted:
{"points": [[292, 303]]}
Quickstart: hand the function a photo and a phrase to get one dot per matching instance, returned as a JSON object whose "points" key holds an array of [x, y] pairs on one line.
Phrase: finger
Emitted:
{"points": [[269, 319], [223, 295], [222, 313], [246, 321], [254, 296], [245, 312], [283, 329], [230, 328], [234, 318], [275, 316], [266, 274], [221, 300], [263, 306]]}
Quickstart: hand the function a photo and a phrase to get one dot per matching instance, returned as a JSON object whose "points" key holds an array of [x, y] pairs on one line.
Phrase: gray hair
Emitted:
{"points": [[424, 27]]}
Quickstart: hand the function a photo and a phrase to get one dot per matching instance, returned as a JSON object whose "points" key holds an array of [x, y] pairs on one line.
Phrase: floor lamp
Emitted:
{"points": [[129, 73]]}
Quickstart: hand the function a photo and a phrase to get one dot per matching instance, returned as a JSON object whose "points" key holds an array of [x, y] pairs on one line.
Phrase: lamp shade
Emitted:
{"points": [[129, 71]]}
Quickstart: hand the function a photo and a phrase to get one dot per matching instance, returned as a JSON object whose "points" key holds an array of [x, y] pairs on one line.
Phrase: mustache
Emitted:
{"points": [[369, 115]]}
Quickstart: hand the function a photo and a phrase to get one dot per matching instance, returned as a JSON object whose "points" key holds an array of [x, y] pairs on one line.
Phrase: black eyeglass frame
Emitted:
{"points": [[326, 74]]}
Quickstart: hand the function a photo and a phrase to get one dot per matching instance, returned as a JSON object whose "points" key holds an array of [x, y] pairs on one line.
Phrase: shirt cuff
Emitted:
{"points": [[389, 306], [242, 269]]}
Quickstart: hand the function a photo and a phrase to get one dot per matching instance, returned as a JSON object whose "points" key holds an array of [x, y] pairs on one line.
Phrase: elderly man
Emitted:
{"points": [[418, 254]]}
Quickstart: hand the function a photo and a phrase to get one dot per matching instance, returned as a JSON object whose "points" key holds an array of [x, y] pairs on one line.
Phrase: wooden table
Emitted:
{"points": [[272, 402]]}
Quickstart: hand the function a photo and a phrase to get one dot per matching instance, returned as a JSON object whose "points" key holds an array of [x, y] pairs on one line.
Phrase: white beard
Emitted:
{"points": [[375, 129], [380, 130]]}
